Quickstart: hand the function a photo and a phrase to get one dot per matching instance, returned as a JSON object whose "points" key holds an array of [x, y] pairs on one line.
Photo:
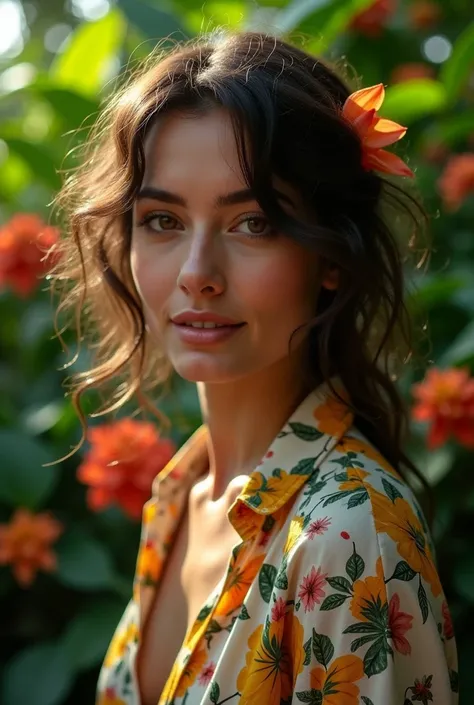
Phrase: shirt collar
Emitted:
{"points": [[295, 454]]}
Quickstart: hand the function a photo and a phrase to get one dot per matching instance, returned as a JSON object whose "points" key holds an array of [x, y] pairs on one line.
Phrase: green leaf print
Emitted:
{"points": [[206, 610], [304, 432], [403, 572], [313, 697], [323, 649], [255, 500], [366, 700], [268, 524], [244, 613], [336, 497], [333, 601], [362, 628], [375, 660], [339, 582], [307, 651], [357, 643], [357, 499], [454, 681], [304, 467], [341, 477], [266, 580], [391, 491], [423, 601], [281, 581], [215, 693], [355, 566], [277, 473]]}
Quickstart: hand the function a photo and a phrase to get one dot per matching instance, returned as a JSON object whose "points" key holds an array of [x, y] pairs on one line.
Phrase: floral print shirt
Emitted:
{"points": [[330, 598]]}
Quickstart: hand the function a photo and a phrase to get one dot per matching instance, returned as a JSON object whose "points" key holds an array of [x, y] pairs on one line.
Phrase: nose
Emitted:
{"points": [[200, 273]]}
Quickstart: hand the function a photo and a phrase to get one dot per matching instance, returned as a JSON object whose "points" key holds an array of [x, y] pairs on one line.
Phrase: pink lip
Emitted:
{"points": [[205, 336], [191, 316]]}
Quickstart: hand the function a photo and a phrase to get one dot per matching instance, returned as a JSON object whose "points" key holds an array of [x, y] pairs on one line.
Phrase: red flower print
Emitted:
{"points": [[422, 690], [278, 610], [124, 458], [311, 589], [447, 621], [207, 673], [345, 535], [399, 623], [318, 527]]}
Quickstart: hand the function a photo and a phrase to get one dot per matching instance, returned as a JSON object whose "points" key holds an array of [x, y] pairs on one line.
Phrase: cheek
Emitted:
{"points": [[150, 281]]}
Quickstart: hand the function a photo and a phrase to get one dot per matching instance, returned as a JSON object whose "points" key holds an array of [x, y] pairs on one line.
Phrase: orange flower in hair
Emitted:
{"points": [[360, 109]]}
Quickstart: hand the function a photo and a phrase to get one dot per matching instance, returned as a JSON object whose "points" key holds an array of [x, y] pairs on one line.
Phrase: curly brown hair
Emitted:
{"points": [[285, 107]]}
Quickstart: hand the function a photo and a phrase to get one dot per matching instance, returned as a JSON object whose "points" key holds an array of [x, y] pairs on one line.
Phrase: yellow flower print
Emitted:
{"points": [[119, 644], [333, 416], [355, 445], [370, 590], [149, 564], [108, 697], [294, 532], [398, 520], [355, 480], [337, 682], [262, 492], [191, 670], [241, 576], [273, 662]]}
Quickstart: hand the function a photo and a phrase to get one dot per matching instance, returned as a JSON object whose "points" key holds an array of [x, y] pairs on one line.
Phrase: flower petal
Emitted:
{"points": [[369, 98], [389, 163], [384, 132]]}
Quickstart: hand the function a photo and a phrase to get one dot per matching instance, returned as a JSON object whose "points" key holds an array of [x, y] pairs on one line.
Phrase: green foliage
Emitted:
{"points": [[60, 641]]}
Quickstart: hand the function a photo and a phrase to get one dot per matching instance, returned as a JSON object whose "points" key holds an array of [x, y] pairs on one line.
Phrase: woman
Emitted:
{"points": [[283, 556]]}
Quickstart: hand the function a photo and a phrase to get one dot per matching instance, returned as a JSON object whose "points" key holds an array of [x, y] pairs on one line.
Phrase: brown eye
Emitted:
{"points": [[159, 222], [257, 225]]}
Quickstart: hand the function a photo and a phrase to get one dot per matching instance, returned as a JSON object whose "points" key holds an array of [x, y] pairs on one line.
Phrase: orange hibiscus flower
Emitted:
{"points": [[337, 682], [239, 579], [355, 480], [354, 445], [26, 542], [374, 132], [119, 644], [191, 670], [149, 564], [263, 492], [333, 417], [370, 590], [398, 520]]}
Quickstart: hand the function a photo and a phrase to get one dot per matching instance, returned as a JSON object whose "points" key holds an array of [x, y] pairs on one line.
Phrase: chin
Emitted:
{"points": [[198, 369]]}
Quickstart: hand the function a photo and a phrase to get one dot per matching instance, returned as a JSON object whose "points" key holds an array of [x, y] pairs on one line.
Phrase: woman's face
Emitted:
{"points": [[201, 243]]}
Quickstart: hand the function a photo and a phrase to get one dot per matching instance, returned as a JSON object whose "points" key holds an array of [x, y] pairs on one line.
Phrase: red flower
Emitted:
{"points": [[422, 690], [319, 526], [457, 180], [311, 589], [448, 628], [411, 71], [446, 399], [423, 14], [26, 543], [400, 623], [124, 458], [207, 673], [278, 610], [24, 243], [373, 19]]}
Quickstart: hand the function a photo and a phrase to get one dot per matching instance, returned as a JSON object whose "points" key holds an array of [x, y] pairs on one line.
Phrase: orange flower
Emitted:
{"points": [[333, 416], [25, 241], [423, 14], [239, 579], [108, 697], [294, 532], [354, 445], [398, 520], [360, 109], [411, 71], [191, 670], [370, 590], [263, 491], [337, 682], [446, 399], [149, 564], [124, 458], [355, 480], [373, 19], [119, 644], [457, 180], [26, 543]]}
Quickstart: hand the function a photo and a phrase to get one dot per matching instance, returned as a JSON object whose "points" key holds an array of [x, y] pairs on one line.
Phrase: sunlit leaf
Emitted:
{"points": [[321, 19], [38, 159], [409, 101], [38, 675], [460, 65], [85, 63], [152, 22]]}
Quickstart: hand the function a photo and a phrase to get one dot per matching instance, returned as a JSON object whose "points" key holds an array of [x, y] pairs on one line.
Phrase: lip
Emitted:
{"points": [[206, 336], [203, 316]]}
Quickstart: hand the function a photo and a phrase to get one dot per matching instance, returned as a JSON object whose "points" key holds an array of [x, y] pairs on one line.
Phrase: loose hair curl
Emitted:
{"points": [[285, 107]]}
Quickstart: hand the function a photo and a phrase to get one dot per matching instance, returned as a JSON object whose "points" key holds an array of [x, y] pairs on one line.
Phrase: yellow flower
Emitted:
{"points": [[294, 532], [191, 670], [263, 492], [355, 480], [338, 681], [149, 564], [108, 697], [239, 579], [367, 591], [333, 416], [355, 445], [398, 520], [119, 644]]}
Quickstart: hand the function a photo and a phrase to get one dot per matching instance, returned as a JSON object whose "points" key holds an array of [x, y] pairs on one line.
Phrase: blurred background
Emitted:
{"points": [[69, 532]]}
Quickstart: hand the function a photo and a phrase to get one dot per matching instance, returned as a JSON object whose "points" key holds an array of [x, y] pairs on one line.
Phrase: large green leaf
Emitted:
{"points": [[460, 65], [83, 65], [152, 22], [88, 635], [455, 128], [74, 109], [322, 19], [39, 675], [37, 157], [23, 480], [83, 562], [409, 101], [461, 350]]}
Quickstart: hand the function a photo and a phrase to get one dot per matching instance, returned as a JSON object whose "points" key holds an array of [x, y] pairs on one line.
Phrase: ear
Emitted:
{"points": [[330, 277]]}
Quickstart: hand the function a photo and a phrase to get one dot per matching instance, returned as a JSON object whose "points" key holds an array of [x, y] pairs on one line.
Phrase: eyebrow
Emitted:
{"points": [[229, 199]]}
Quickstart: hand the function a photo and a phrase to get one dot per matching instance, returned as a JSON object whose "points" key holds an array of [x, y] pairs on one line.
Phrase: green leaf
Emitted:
{"points": [[23, 480], [313, 697], [83, 562], [74, 109], [244, 613], [215, 693], [266, 580], [461, 350], [366, 700], [357, 499], [89, 633], [391, 491], [375, 660], [336, 497], [403, 572], [323, 649], [281, 581], [454, 681], [339, 582], [355, 566], [307, 651], [333, 601], [304, 467], [357, 643], [305, 432], [457, 69], [38, 675], [423, 602], [150, 21], [84, 63], [322, 19], [361, 628], [410, 101], [38, 159]]}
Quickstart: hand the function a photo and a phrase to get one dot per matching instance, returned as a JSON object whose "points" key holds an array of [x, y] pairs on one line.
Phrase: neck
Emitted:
{"points": [[243, 418]]}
